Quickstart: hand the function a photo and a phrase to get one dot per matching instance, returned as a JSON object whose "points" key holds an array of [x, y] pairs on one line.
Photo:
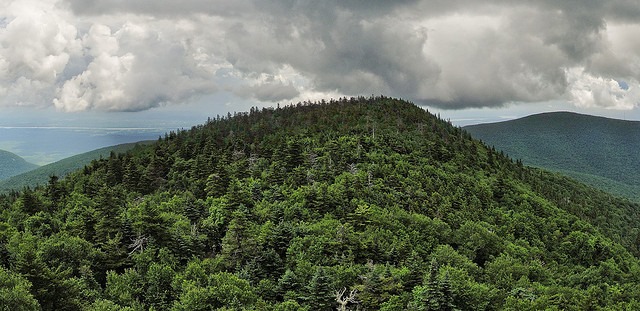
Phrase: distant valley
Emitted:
{"points": [[30, 154], [598, 151], [45, 145], [35, 175]]}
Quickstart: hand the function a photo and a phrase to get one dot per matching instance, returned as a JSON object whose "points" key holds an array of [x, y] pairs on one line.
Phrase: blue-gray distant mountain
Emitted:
{"points": [[11, 164], [599, 151]]}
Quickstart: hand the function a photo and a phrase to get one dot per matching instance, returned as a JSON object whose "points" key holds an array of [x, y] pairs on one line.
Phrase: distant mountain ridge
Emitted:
{"points": [[40, 175], [599, 151], [12, 164]]}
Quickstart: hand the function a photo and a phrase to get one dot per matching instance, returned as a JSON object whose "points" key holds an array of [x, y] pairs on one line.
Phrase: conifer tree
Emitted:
{"points": [[319, 296]]}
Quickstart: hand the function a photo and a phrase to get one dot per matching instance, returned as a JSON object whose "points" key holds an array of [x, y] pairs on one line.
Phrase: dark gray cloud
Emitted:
{"points": [[163, 8], [268, 91], [133, 55]]}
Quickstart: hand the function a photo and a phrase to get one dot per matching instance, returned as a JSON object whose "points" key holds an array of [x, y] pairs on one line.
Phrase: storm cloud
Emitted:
{"points": [[134, 55]]}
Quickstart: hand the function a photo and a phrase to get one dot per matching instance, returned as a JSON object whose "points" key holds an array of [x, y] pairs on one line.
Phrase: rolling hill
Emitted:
{"points": [[11, 164], [598, 151], [351, 204], [40, 175]]}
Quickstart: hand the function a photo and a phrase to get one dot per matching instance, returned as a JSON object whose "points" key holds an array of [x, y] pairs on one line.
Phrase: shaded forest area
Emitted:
{"points": [[597, 151], [361, 203]]}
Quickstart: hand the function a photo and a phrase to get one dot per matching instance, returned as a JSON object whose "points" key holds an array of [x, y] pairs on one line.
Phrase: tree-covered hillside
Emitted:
{"points": [[598, 151], [40, 175], [11, 164], [355, 204]]}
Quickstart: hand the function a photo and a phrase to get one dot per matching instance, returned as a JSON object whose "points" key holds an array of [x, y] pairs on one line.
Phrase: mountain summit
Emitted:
{"points": [[361, 203]]}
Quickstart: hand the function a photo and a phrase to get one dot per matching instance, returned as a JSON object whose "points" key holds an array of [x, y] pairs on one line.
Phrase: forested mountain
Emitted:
{"points": [[598, 151], [40, 175], [362, 203], [11, 164]]}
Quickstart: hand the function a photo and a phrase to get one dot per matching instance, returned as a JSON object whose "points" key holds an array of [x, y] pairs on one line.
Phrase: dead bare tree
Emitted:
{"points": [[137, 244], [343, 301]]}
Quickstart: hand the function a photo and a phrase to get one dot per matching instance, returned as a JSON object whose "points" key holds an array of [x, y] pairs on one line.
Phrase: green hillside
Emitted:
{"points": [[598, 151], [12, 164], [41, 175], [355, 204]]}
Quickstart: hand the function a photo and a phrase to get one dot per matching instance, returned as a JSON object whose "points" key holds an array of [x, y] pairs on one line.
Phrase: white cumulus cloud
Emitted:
{"points": [[35, 48], [133, 68], [587, 90]]}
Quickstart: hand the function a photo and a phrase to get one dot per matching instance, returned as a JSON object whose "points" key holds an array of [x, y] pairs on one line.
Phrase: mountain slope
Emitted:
{"points": [[12, 164], [599, 151], [304, 207], [40, 175]]}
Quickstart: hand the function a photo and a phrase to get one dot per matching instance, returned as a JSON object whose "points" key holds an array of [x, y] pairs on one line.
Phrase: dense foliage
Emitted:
{"points": [[11, 164], [367, 203], [598, 151], [35, 176]]}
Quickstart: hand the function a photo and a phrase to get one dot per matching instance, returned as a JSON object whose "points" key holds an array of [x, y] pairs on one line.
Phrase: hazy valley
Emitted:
{"points": [[44, 145]]}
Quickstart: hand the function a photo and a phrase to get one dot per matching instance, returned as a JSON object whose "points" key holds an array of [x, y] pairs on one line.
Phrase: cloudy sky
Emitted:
{"points": [[70, 60]]}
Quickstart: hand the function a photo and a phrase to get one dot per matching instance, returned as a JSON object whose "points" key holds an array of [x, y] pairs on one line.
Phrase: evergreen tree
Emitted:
{"points": [[318, 292], [435, 295], [14, 292]]}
